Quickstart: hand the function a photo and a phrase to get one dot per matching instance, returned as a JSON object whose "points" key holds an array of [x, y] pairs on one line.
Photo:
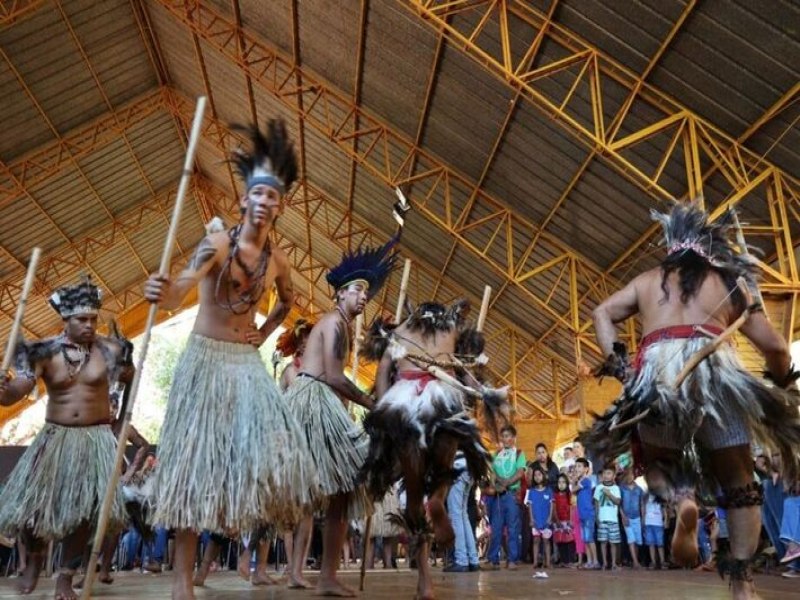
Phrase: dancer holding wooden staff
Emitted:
{"points": [[420, 421], [57, 486], [688, 404], [232, 456]]}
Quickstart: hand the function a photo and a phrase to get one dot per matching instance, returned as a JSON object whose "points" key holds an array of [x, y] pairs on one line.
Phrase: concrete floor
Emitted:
{"points": [[500, 585]]}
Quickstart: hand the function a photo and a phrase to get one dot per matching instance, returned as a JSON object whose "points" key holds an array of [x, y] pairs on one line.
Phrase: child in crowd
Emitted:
{"points": [[582, 487], [540, 502], [654, 521], [632, 509], [607, 497], [563, 535]]}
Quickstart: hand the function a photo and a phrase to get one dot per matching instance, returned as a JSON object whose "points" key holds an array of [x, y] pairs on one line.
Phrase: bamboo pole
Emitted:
{"points": [[13, 336], [487, 293], [163, 270], [401, 299]]}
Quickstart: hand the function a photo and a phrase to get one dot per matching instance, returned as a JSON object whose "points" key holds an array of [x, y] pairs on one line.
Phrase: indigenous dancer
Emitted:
{"points": [[419, 421], [231, 455], [712, 412], [338, 447], [57, 487]]}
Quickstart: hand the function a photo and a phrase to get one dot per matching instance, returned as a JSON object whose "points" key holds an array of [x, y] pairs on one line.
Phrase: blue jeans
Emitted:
{"points": [[466, 552], [506, 514]]}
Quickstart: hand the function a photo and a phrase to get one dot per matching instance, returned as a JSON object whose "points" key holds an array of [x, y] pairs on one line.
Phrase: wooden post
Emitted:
{"points": [[166, 258], [487, 293], [401, 299], [11, 345]]}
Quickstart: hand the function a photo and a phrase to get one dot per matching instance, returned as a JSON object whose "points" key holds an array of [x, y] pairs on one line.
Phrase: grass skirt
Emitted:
{"points": [[231, 455], [383, 523], [719, 405], [406, 422], [60, 482], [337, 445]]}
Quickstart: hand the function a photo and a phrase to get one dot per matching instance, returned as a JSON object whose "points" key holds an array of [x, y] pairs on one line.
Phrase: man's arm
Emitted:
{"points": [[142, 446], [383, 375], [618, 307], [283, 283], [168, 294], [334, 353], [762, 334]]}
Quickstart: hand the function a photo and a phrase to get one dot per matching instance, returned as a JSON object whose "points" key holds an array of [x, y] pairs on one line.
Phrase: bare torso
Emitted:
{"points": [[710, 306], [216, 321], [314, 355], [82, 399], [439, 347]]}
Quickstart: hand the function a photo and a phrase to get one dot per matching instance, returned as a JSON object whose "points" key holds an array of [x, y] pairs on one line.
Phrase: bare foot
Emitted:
{"points": [[64, 589], [442, 529], [424, 590], [200, 578], [334, 588], [182, 591], [259, 579], [244, 565], [684, 540], [30, 576], [744, 590], [298, 582]]}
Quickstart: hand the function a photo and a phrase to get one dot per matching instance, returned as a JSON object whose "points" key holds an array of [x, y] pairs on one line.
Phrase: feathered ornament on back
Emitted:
{"points": [[271, 160]]}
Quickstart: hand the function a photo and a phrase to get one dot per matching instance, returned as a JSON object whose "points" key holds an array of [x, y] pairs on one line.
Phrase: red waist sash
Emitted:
{"points": [[676, 332]]}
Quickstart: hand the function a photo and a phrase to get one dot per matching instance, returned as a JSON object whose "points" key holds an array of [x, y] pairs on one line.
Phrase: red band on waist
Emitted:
{"points": [[676, 332]]}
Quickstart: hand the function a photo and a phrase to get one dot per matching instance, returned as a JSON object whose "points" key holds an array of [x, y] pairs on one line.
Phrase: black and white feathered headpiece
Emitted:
{"points": [[371, 266], [271, 160], [687, 229], [85, 298]]}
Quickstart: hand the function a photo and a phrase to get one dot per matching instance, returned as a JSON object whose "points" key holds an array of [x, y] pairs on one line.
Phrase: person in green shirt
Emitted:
{"points": [[508, 468]]}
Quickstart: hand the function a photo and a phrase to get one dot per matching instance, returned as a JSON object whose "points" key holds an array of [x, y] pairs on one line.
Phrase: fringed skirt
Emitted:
{"points": [[383, 523], [60, 482], [337, 446], [719, 405], [231, 455], [406, 422]]}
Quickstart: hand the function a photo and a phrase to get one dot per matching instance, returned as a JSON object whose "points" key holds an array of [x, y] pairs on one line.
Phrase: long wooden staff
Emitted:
{"points": [[163, 270], [398, 313], [11, 345], [487, 293]]}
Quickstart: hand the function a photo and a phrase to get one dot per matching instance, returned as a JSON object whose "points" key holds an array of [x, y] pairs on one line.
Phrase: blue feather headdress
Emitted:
{"points": [[370, 265]]}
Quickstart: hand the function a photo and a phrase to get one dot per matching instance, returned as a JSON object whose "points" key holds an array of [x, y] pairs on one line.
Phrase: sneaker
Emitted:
{"points": [[454, 568], [540, 575], [791, 574], [512, 566], [792, 552], [490, 566], [474, 567]]}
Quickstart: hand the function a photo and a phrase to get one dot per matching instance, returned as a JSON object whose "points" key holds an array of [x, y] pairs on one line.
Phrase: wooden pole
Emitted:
{"points": [[487, 293], [166, 258], [11, 345], [401, 299]]}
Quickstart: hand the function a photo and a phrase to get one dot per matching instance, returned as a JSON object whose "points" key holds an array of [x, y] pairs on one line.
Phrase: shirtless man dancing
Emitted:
{"points": [[719, 407], [318, 394], [420, 422], [56, 489], [231, 456]]}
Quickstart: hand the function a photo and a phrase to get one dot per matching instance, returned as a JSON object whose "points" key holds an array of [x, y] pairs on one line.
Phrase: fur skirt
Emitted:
{"points": [[60, 482], [336, 445], [719, 405], [231, 455], [407, 420]]}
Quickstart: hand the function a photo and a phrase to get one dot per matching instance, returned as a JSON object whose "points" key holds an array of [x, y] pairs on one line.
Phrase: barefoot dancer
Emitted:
{"points": [[719, 407], [56, 489], [419, 422], [338, 447], [231, 455]]}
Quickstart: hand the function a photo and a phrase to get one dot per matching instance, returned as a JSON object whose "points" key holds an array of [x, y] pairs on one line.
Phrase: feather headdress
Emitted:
{"points": [[290, 340], [271, 160], [687, 229], [369, 265], [84, 298]]}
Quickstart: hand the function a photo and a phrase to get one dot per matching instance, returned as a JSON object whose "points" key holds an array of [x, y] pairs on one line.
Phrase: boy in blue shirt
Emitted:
{"points": [[582, 486], [632, 511]]}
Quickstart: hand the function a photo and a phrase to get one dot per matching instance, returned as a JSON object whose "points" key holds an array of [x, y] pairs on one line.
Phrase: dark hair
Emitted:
{"points": [[609, 467], [566, 479], [538, 469], [582, 461], [568, 448], [542, 445], [510, 428]]}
